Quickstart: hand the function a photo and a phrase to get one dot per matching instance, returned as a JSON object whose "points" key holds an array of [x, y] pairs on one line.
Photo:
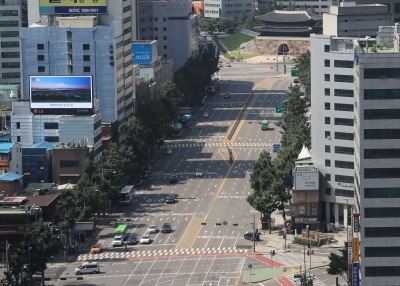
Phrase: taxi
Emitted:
{"points": [[95, 248]]}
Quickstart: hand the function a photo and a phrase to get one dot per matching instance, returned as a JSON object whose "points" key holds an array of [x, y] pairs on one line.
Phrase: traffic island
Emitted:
{"points": [[263, 274]]}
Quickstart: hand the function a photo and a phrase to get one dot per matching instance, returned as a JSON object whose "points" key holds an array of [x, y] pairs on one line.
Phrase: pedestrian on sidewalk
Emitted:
{"points": [[51, 260]]}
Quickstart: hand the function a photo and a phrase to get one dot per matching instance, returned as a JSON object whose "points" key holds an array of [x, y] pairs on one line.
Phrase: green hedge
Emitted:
{"points": [[304, 241]]}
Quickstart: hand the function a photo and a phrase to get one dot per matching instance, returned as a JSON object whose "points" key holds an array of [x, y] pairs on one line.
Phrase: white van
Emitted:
{"points": [[88, 267]]}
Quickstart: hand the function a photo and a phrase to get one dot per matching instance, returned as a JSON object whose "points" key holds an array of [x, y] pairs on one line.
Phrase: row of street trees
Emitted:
{"points": [[120, 164], [272, 181]]}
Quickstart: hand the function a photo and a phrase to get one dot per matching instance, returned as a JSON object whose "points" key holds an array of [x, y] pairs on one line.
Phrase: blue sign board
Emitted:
{"points": [[250, 266], [142, 53], [356, 274], [276, 147]]}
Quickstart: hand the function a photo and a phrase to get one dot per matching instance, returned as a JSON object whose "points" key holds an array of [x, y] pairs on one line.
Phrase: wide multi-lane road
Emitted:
{"points": [[211, 214]]}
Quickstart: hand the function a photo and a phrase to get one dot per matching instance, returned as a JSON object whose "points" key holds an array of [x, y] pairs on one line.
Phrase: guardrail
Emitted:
{"points": [[235, 125]]}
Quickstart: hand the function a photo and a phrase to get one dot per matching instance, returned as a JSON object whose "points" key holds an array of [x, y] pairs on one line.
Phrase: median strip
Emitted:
{"points": [[189, 236]]}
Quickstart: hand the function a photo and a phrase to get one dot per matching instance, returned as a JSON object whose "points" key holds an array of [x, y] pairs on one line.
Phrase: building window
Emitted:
{"points": [[344, 150], [373, 114], [156, 29], [344, 179], [327, 106], [9, 34], [164, 19], [165, 29], [165, 37], [327, 77], [86, 69], [381, 73], [344, 92], [328, 191], [327, 120], [344, 164], [381, 173], [327, 63], [165, 47], [377, 94], [382, 252], [385, 231], [51, 138], [155, 19], [381, 153], [40, 58], [386, 212], [343, 78], [344, 136], [328, 134], [327, 177], [327, 91], [344, 107], [165, 56], [69, 164], [86, 47], [343, 64], [381, 134], [156, 38], [18, 125], [384, 193], [344, 193], [86, 58], [40, 46], [51, 125], [327, 148], [327, 48], [41, 69], [327, 163], [18, 138], [344, 121]]}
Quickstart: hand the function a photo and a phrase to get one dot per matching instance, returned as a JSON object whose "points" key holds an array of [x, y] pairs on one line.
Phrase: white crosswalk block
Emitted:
{"points": [[296, 281], [297, 258]]}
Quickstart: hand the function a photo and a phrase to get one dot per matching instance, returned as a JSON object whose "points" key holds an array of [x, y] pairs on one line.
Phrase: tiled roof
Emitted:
{"points": [[5, 147], [288, 17], [282, 29], [9, 177]]}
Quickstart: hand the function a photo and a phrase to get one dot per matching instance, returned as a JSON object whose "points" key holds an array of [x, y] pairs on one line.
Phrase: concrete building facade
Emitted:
{"points": [[227, 8]]}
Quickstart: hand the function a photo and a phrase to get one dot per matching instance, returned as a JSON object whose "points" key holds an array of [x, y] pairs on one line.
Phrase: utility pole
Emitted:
{"points": [[254, 233], [7, 255]]}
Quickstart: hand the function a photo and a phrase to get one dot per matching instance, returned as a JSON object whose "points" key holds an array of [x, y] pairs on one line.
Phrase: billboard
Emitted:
{"points": [[142, 53], [74, 7], [60, 92], [306, 181]]}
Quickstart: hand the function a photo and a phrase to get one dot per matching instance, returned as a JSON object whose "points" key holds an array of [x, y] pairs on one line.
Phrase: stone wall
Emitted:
{"points": [[269, 46]]}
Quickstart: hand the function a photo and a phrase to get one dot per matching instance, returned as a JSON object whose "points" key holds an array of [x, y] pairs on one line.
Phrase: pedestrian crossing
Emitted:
{"points": [[247, 76], [296, 281], [158, 253], [218, 144], [297, 258]]}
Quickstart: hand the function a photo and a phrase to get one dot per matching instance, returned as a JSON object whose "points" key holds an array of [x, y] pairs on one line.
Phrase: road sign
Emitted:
{"points": [[225, 223], [276, 147], [250, 266], [293, 72], [278, 108]]}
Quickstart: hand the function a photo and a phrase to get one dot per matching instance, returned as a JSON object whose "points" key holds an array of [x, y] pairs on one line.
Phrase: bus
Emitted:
{"points": [[177, 130], [209, 42], [186, 120], [126, 195], [264, 125]]}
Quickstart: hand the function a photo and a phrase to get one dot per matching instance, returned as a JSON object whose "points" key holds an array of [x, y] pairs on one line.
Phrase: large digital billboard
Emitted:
{"points": [[142, 53], [74, 7], [61, 92], [306, 181]]}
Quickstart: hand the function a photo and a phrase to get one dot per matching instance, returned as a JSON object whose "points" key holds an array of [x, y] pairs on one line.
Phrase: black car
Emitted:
{"points": [[296, 80], [173, 179], [170, 199], [227, 95], [249, 235], [132, 240], [166, 227]]}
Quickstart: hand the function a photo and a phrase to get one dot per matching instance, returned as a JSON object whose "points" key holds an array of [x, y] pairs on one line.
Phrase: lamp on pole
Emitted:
{"points": [[105, 171]]}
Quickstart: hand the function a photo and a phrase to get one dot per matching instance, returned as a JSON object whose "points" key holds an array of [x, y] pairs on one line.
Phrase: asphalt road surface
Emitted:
{"points": [[211, 214]]}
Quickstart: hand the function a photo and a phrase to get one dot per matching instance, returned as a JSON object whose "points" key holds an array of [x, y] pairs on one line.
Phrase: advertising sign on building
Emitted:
{"points": [[142, 53], [306, 181], [81, 7], [356, 249], [356, 222], [60, 92], [356, 274]]}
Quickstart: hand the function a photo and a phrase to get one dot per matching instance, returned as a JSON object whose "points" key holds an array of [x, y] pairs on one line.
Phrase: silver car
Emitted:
{"points": [[152, 229], [206, 114]]}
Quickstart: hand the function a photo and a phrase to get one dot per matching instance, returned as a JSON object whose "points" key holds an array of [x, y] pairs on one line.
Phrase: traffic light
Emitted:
{"points": [[308, 252], [284, 236], [309, 244]]}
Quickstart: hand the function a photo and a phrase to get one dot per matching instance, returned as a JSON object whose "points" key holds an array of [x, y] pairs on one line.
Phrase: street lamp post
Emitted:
{"points": [[105, 171]]}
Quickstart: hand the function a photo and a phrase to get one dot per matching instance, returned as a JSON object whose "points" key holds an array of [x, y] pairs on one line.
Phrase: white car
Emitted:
{"points": [[206, 114], [152, 229], [199, 173], [117, 241], [228, 64], [145, 239]]}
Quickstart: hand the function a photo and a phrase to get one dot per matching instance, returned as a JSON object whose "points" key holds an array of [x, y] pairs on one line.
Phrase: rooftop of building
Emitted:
{"points": [[10, 177], [40, 200], [289, 16], [43, 144], [9, 86], [6, 147]]}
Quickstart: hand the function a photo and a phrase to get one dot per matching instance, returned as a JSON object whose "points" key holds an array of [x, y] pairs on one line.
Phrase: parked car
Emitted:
{"points": [[220, 65], [168, 151], [166, 227], [227, 95], [152, 229], [228, 64], [96, 248], [296, 80], [206, 114], [199, 173], [132, 240], [173, 179], [170, 199], [145, 239]]}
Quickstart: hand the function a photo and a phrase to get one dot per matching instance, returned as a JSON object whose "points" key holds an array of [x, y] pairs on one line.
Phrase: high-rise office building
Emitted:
{"points": [[13, 15]]}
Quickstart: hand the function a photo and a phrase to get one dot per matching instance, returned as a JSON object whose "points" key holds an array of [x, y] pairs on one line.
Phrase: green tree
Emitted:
{"points": [[142, 91], [170, 99], [338, 263], [263, 198], [303, 65]]}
